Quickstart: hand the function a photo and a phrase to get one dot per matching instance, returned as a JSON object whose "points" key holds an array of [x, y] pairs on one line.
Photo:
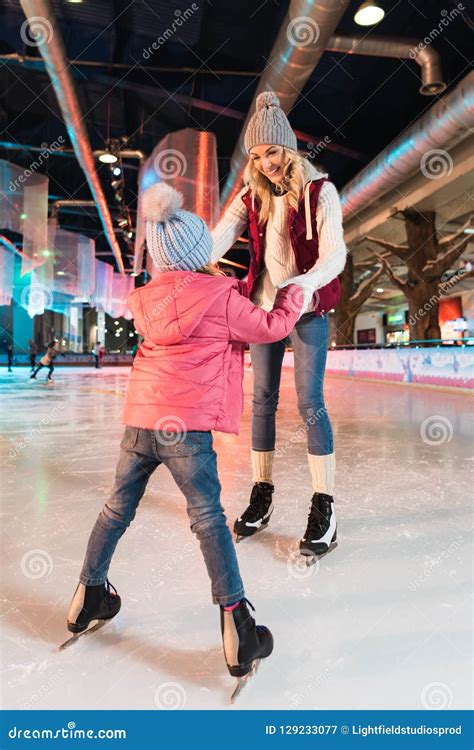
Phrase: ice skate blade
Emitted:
{"points": [[239, 537], [242, 681], [99, 624], [312, 557]]}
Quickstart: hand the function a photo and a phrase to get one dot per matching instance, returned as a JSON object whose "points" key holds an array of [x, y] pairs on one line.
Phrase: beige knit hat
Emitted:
{"points": [[269, 124]]}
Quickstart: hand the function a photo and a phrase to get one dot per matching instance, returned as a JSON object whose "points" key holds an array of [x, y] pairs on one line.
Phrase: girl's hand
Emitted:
{"points": [[306, 285]]}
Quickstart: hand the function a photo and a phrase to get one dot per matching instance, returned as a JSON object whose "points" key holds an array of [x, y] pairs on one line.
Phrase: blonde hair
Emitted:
{"points": [[211, 270], [296, 173]]}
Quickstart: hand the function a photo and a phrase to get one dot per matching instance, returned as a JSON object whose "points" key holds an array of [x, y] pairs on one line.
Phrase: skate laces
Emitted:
{"points": [[318, 519], [109, 595], [261, 629], [260, 501], [315, 517]]}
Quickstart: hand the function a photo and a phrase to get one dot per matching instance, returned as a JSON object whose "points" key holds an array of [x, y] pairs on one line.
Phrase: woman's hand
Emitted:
{"points": [[306, 284]]}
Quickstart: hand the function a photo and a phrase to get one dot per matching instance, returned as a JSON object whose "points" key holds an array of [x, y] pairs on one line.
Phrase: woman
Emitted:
{"points": [[294, 222]]}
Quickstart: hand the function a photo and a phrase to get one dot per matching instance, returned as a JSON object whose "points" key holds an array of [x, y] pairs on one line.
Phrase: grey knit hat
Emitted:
{"points": [[177, 240], [269, 124]]}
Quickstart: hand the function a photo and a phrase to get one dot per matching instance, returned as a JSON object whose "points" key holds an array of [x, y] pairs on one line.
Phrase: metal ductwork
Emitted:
{"points": [[302, 39], [422, 147], [406, 49], [44, 28]]}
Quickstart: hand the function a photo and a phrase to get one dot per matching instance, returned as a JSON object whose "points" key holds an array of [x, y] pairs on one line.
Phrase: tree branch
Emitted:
{"points": [[366, 264], [370, 263], [403, 251], [455, 235], [435, 268], [460, 275], [364, 291], [402, 285]]}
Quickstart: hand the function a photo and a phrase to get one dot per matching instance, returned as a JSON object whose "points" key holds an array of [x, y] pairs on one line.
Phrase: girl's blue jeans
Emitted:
{"points": [[192, 461]]}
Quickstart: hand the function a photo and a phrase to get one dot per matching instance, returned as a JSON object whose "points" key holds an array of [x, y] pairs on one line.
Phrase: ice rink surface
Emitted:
{"points": [[381, 622]]}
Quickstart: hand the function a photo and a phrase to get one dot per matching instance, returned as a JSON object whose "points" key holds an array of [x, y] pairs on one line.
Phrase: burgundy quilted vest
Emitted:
{"points": [[306, 251]]}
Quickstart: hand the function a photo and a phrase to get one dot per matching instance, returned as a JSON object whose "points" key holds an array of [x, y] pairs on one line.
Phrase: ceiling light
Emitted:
{"points": [[379, 290], [106, 157], [369, 14]]}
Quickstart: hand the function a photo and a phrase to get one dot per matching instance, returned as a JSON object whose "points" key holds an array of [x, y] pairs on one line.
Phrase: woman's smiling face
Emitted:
{"points": [[269, 160]]}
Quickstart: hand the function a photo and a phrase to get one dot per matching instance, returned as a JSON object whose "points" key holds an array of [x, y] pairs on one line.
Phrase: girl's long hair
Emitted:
{"points": [[211, 270], [296, 173]]}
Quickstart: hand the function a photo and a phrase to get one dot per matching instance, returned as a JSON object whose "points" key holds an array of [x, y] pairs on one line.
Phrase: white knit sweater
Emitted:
{"points": [[280, 262]]}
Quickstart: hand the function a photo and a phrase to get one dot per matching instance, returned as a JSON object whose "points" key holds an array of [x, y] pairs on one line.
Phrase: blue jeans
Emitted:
{"points": [[192, 461], [309, 339]]}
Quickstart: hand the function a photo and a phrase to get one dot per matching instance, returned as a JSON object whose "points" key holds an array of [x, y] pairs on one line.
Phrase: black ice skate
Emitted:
{"points": [[245, 644], [91, 603], [257, 515], [321, 532]]}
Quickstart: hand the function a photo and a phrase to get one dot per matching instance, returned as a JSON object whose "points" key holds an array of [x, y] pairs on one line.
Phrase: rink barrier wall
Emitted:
{"points": [[77, 360], [446, 367]]}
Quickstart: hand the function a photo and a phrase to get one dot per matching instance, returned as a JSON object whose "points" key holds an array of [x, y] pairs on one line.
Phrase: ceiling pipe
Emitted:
{"points": [[415, 49], [127, 153], [396, 47], [132, 153], [9, 146], [124, 153], [306, 30], [423, 147], [69, 206], [66, 152], [150, 68], [61, 204], [46, 31]]}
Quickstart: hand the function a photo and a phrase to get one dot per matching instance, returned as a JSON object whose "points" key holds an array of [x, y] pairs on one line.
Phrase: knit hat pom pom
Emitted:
{"points": [[160, 202], [267, 99]]}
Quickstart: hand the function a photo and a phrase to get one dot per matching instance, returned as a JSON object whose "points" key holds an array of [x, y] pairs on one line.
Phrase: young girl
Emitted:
{"points": [[294, 222], [186, 381]]}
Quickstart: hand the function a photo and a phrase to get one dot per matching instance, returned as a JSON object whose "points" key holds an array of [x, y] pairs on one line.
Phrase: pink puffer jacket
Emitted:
{"points": [[188, 372]]}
